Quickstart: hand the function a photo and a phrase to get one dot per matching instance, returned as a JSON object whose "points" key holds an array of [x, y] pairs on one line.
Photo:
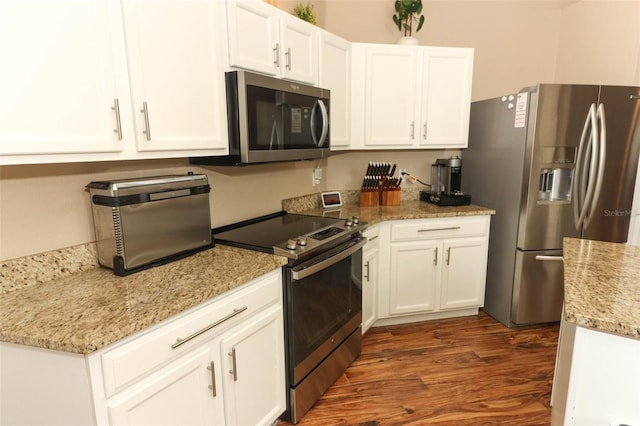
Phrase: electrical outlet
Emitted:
{"points": [[403, 174], [403, 171], [316, 176]]}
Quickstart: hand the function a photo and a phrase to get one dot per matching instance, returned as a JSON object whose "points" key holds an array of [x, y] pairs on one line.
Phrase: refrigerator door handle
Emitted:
{"points": [[602, 156], [585, 177]]}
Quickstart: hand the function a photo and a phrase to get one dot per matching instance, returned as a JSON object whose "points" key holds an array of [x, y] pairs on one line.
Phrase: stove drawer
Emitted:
{"points": [[147, 351]]}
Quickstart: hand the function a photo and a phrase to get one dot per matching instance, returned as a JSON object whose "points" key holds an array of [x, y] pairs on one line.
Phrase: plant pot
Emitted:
{"points": [[409, 40]]}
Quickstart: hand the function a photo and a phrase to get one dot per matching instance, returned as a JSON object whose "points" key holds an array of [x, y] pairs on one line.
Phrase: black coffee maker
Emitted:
{"points": [[446, 184]]}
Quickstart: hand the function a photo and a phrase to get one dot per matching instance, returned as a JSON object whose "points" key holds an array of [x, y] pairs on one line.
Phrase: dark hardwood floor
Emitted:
{"points": [[462, 371]]}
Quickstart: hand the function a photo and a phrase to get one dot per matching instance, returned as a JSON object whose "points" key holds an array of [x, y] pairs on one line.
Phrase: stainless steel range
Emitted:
{"points": [[322, 295]]}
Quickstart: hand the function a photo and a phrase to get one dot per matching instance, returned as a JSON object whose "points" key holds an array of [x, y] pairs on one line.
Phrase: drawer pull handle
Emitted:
{"points": [[450, 228], [180, 341], [211, 367], [373, 238], [233, 370], [448, 255]]}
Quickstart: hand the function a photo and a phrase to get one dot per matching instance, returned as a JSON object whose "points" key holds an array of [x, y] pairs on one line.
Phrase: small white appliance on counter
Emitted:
{"points": [[144, 222]]}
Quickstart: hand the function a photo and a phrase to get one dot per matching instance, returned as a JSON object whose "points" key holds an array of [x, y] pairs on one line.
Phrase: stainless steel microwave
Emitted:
{"points": [[273, 120]]}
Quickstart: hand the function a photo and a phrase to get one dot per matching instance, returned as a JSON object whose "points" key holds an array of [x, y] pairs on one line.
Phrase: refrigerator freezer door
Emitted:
{"points": [[610, 216], [555, 121], [538, 290]]}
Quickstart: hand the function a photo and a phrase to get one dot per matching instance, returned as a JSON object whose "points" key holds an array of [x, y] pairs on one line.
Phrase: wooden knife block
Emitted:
{"points": [[369, 198], [390, 197]]}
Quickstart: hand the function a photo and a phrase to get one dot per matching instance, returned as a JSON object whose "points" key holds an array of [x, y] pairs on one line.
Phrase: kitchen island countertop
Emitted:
{"points": [[602, 286]]}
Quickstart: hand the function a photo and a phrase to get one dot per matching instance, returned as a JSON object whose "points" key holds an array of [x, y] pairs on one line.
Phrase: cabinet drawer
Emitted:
{"points": [[425, 229], [372, 233], [143, 353]]}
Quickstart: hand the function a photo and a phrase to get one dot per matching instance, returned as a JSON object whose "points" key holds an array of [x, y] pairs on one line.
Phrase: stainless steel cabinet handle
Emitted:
{"points": [[145, 111], [413, 128], [366, 265], [424, 131], [212, 386], [448, 255], [634, 97], [180, 341], [276, 55], [288, 55], [233, 370], [373, 238], [435, 257], [116, 108], [450, 228], [554, 258]]}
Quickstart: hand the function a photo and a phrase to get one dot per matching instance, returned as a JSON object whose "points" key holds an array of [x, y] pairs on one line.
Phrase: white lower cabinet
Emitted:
{"points": [[220, 363], [369, 278], [436, 268]]}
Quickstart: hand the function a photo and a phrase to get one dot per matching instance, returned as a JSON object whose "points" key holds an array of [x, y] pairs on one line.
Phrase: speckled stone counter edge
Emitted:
{"points": [[602, 286]]}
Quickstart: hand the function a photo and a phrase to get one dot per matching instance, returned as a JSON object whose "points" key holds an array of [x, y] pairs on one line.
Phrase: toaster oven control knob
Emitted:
{"points": [[292, 244], [355, 220], [302, 241], [348, 222]]}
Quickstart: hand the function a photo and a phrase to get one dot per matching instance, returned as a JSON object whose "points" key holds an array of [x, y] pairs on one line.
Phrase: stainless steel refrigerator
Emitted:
{"points": [[554, 161]]}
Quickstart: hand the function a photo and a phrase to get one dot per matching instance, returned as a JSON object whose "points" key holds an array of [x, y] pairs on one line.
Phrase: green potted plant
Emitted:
{"points": [[305, 12], [408, 13]]}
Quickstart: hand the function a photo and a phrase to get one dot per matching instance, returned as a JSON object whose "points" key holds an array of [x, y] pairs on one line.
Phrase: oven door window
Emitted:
{"points": [[280, 120], [321, 304]]}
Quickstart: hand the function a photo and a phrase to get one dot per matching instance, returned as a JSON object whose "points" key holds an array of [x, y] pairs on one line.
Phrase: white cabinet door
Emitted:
{"points": [[265, 39], [414, 277], [63, 70], [180, 394], [446, 97], [335, 74], [254, 36], [299, 42], [391, 96], [463, 274], [253, 370], [175, 52], [370, 261]]}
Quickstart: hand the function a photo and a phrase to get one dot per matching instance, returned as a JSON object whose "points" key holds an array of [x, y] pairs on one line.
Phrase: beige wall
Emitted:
{"points": [[516, 43], [600, 43]]}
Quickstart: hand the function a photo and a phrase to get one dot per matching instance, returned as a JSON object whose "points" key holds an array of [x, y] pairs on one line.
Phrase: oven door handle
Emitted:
{"points": [[306, 271]]}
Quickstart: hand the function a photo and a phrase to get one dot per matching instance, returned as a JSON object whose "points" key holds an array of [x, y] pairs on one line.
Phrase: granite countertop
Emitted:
{"points": [[602, 286], [62, 300], [408, 209], [91, 308]]}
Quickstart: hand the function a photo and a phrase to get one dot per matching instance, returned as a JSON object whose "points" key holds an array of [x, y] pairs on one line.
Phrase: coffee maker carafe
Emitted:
{"points": [[446, 184]]}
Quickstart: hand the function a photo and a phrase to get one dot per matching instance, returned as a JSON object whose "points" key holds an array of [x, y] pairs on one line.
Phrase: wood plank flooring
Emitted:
{"points": [[462, 371]]}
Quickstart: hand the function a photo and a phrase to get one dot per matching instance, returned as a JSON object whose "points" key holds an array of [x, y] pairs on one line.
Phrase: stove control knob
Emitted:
{"points": [[355, 220], [348, 222], [302, 241], [292, 244]]}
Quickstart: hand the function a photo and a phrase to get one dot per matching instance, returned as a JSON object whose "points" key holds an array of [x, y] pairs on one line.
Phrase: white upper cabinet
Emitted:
{"points": [[267, 40], [176, 52], [410, 96], [446, 97], [63, 77], [335, 75], [105, 80]]}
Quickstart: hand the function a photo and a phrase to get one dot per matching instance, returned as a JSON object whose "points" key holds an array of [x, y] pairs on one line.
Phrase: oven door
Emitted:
{"points": [[323, 305]]}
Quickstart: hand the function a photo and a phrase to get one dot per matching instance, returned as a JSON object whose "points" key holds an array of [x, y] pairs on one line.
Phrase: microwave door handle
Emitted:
{"points": [[325, 123], [274, 135]]}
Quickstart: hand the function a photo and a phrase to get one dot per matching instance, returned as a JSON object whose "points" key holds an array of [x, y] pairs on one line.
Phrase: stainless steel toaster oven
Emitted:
{"points": [[144, 222]]}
